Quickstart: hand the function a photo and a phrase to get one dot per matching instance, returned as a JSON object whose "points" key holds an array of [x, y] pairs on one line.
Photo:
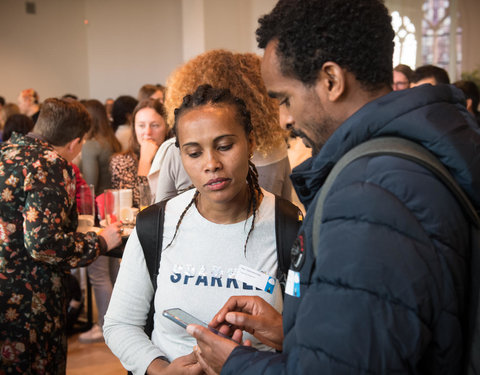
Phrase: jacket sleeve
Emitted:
{"points": [[128, 310], [379, 285]]}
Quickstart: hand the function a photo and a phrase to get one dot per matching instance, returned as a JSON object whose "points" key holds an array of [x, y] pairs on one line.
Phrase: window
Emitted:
{"points": [[441, 38], [405, 51]]}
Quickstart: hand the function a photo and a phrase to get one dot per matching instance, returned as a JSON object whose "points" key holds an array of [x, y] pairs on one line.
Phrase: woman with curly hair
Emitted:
{"points": [[240, 73]]}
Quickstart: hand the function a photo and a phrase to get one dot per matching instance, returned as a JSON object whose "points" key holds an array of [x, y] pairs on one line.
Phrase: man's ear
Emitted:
{"points": [[70, 146], [331, 81]]}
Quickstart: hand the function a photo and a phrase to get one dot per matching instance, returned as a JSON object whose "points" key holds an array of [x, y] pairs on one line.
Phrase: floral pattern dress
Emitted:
{"points": [[124, 168], [38, 246]]}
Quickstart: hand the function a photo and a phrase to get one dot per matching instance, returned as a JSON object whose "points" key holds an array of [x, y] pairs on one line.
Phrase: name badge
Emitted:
{"points": [[293, 283], [256, 278]]}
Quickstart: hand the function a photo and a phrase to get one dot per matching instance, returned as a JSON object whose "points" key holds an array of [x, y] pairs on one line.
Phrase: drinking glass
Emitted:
{"points": [[112, 206], [86, 208], [145, 195]]}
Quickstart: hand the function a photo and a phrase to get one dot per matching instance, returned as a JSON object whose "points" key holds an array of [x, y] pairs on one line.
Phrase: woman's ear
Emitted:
{"points": [[251, 144]]}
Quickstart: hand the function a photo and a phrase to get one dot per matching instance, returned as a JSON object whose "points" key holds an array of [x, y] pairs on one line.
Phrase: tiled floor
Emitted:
{"points": [[91, 359]]}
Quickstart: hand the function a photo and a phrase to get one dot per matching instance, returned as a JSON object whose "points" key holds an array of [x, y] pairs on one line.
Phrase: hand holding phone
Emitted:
{"points": [[183, 319]]}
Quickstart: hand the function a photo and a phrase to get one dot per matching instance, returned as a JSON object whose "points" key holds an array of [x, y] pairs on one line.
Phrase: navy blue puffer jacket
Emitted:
{"points": [[386, 293]]}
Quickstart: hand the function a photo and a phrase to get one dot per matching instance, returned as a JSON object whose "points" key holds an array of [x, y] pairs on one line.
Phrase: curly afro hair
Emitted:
{"points": [[240, 73], [357, 35]]}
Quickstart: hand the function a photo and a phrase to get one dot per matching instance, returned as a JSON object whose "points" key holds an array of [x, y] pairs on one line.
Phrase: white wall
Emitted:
{"points": [[124, 44], [227, 24], [131, 43], [128, 43], [46, 51]]}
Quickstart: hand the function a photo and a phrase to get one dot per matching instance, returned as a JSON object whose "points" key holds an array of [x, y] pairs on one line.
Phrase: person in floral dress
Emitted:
{"points": [[38, 242]]}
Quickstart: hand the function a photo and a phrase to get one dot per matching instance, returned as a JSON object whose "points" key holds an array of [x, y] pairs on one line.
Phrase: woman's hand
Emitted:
{"points": [[148, 149], [185, 365], [213, 349]]}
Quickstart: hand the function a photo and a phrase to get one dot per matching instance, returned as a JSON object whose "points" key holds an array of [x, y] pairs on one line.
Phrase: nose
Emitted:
{"points": [[212, 162], [286, 119], [148, 130]]}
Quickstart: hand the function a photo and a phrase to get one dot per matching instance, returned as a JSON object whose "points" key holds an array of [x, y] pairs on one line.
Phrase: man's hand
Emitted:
{"points": [[112, 236], [254, 315], [214, 349]]}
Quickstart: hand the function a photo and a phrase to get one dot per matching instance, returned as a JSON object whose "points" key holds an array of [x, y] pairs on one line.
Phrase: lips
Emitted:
{"points": [[217, 183]]}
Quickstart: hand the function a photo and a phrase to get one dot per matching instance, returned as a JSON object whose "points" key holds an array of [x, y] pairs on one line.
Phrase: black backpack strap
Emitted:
{"points": [[288, 219], [149, 228], [409, 150], [399, 147]]}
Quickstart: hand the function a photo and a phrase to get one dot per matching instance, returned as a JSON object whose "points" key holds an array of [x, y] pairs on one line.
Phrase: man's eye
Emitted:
{"points": [[194, 154], [286, 102]]}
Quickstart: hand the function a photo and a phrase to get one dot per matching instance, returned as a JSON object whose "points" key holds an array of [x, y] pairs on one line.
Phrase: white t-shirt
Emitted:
{"points": [[196, 274]]}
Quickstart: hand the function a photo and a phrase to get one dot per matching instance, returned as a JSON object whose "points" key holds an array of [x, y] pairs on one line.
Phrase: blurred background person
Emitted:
{"points": [[6, 111], [99, 147], [109, 107], [149, 128], [97, 150], [29, 104], [151, 91], [122, 111], [431, 74], [402, 75], [472, 96], [18, 123]]}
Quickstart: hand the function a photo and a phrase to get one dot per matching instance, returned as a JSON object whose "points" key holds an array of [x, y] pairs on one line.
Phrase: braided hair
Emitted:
{"points": [[207, 95]]}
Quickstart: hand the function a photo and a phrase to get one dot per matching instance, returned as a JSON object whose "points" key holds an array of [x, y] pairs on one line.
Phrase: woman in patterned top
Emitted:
{"points": [[38, 242], [149, 130]]}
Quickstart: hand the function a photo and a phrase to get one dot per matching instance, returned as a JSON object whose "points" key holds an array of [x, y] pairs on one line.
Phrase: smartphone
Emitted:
{"points": [[183, 319]]}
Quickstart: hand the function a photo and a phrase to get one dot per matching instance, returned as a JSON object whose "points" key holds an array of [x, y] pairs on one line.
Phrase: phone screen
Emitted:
{"points": [[183, 319]]}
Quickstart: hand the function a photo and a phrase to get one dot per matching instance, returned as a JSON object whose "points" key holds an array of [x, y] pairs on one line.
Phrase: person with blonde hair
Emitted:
{"points": [[29, 104], [240, 73]]}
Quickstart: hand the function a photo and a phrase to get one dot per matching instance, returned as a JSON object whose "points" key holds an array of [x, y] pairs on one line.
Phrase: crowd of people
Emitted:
{"points": [[384, 287]]}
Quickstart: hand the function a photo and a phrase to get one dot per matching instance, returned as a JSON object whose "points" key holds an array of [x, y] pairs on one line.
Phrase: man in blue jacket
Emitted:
{"points": [[386, 292]]}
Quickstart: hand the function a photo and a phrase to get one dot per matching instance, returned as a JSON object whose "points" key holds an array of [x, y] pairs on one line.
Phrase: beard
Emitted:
{"points": [[320, 131]]}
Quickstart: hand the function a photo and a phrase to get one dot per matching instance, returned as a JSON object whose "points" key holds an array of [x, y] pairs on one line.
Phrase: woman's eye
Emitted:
{"points": [[225, 147], [194, 154], [155, 126]]}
